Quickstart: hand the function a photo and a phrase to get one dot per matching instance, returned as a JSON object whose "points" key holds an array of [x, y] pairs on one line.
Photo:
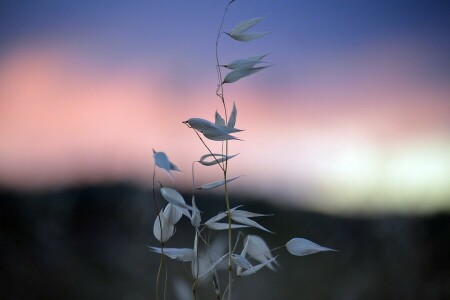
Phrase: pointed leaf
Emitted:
{"points": [[241, 261], [223, 226], [162, 161], [256, 268], [232, 119], [245, 63], [181, 254], [214, 266], [173, 167], [173, 213], [245, 25], [195, 216], [162, 228], [172, 196], [220, 215], [212, 185], [218, 159], [248, 37], [212, 131], [219, 120], [249, 222], [302, 247], [216, 218], [220, 137], [247, 214], [258, 249], [235, 75]]}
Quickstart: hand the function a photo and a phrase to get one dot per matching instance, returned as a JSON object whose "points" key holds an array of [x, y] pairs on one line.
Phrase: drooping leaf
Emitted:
{"points": [[212, 131], [210, 254], [195, 215], [223, 226], [220, 137], [232, 119], [245, 63], [162, 161], [235, 75], [219, 120], [249, 222], [247, 214], [216, 218], [173, 197], [220, 215], [245, 25], [181, 254], [214, 266], [173, 213], [255, 268], [302, 247], [214, 184], [247, 37], [218, 159], [241, 261], [257, 248], [163, 230], [205, 126]]}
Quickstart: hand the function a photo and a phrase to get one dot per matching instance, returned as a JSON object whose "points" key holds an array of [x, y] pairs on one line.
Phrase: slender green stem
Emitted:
{"points": [[166, 275], [160, 225], [215, 158], [162, 244], [220, 94]]}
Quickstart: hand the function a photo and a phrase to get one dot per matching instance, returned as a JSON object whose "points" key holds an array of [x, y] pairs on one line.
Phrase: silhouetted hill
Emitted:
{"points": [[91, 243]]}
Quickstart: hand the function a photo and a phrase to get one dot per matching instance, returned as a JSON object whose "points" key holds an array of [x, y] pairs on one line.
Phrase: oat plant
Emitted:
{"points": [[243, 255]]}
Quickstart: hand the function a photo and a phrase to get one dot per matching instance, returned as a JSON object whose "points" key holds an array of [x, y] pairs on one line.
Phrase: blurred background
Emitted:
{"points": [[346, 142]]}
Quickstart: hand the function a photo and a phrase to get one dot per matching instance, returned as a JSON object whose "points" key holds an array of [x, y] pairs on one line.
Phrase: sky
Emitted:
{"points": [[353, 116]]}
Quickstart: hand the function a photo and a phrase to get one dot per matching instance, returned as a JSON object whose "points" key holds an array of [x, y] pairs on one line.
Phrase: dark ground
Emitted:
{"points": [[91, 243]]}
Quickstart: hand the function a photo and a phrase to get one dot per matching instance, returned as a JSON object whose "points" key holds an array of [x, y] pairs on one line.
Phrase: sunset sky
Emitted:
{"points": [[354, 114]]}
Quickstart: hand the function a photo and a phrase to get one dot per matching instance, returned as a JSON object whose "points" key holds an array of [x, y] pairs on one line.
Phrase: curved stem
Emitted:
{"points": [[220, 94], [209, 150]]}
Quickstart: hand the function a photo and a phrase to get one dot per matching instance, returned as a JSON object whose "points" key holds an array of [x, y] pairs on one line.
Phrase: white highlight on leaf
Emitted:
{"points": [[235, 75], [216, 265], [162, 161], [212, 131], [214, 184], [181, 254], [257, 248], [245, 25], [242, 216], [302, 247], [255, 268], [173, 213], [245, 63], [232, 119], [219, 120], [216, 218], [223, 226], [241, 261], [195, 215], [249, 36], [163, 230], [249, 222], [218, 159], [175, 198], [247, 214]]}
